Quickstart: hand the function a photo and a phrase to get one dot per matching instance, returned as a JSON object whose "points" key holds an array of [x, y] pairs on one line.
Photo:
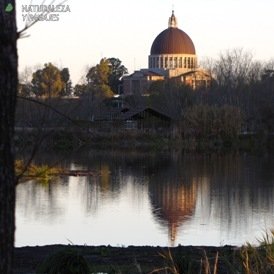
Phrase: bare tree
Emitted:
{"points": [[25, 75], [24, 85], [208, 64], [234, 69], [8, 92]]}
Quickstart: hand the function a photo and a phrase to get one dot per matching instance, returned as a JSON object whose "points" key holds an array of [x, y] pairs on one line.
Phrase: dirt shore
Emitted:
{"points": [[145, 259]]}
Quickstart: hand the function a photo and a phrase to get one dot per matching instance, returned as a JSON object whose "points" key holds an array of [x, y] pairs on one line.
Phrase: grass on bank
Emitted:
{"points": [[259, 260], [247, 259], [185, 264]]}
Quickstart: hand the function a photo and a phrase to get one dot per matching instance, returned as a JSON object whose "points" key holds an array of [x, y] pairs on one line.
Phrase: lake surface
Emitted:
{"points": [[156, 199]]}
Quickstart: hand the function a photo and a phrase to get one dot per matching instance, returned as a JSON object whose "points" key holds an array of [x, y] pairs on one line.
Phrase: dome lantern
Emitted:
{"points": [[172, 22]]}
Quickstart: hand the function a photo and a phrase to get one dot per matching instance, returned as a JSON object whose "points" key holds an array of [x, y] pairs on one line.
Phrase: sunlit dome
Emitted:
{"points": [[172, 40], [173, 49]]}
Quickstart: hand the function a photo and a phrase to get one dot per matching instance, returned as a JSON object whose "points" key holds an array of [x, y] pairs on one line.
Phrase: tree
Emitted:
{"points": [[80, 89], [47, 82], [117, 71], [205, 122], [25, 90], [171, 97], [235, 69], [105, 78], [8, 92], [97, 77], [36, 82], [25, 86], [65, 76]]}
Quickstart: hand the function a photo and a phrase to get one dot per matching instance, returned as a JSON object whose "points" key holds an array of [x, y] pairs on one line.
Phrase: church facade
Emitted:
{"points": [[172, 57]]}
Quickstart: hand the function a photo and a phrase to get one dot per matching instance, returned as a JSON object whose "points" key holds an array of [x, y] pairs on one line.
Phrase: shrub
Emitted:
{"points": [[64, 262]]}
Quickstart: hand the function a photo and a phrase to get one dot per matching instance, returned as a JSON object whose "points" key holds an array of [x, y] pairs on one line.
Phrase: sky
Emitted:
{"points": [[94, 29]]}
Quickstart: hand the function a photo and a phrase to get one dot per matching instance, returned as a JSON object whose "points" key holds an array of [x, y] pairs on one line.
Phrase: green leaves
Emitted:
{"points": [[105, 77]]}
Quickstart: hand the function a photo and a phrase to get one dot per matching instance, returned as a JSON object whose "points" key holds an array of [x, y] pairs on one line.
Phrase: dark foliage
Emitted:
{"points": [[64, 262]]}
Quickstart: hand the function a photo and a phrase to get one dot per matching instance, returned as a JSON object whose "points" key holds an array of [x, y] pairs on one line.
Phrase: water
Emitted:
{"points": [[149, 199]]}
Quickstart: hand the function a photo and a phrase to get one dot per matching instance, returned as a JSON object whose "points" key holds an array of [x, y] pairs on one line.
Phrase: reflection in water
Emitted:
{"points": [[37, 200], [173, 197], [150, 199], [172, 205]]}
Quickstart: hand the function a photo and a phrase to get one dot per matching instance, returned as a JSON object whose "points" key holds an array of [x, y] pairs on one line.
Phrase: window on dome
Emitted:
{"points": [[153, 62], [180, 62], [185, 62], [188, 62], [170, 62], [161, 62], [176, 62], [166, 60]]}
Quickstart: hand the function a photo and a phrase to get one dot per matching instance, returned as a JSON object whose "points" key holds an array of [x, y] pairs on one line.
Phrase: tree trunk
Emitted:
{"points": [[8, 90]]}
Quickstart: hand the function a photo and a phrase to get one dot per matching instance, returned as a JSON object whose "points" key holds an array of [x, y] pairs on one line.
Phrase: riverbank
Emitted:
{"points": [[145, 259], [66, 141]]}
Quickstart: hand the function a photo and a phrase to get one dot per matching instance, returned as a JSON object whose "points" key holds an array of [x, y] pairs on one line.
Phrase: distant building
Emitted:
{"points": [[172, 56]]}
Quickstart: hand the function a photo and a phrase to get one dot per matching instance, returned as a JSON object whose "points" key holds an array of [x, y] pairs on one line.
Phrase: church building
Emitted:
{"points": [[172, 56]]}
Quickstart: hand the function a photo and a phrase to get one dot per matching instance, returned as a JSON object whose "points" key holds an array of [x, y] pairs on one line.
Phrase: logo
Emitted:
{"points": [[9, 8]]}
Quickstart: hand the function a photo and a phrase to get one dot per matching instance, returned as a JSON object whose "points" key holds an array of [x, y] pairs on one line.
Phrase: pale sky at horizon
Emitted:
{"points": [[126, 29]]}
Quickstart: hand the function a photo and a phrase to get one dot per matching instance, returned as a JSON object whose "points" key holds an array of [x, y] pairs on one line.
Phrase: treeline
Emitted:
{"points": [[46, 82], [101, 80], [240, 100]]}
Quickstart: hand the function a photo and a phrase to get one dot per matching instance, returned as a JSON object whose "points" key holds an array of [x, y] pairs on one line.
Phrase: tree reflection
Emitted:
{"points": [[40, 201]]}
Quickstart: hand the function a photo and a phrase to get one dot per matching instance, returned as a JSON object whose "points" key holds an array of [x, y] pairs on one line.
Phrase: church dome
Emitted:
{"points": [[172, 41]]}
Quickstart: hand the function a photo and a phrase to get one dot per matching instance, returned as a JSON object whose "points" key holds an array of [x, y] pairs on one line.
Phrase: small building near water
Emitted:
{"points": [[139, 118]]}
